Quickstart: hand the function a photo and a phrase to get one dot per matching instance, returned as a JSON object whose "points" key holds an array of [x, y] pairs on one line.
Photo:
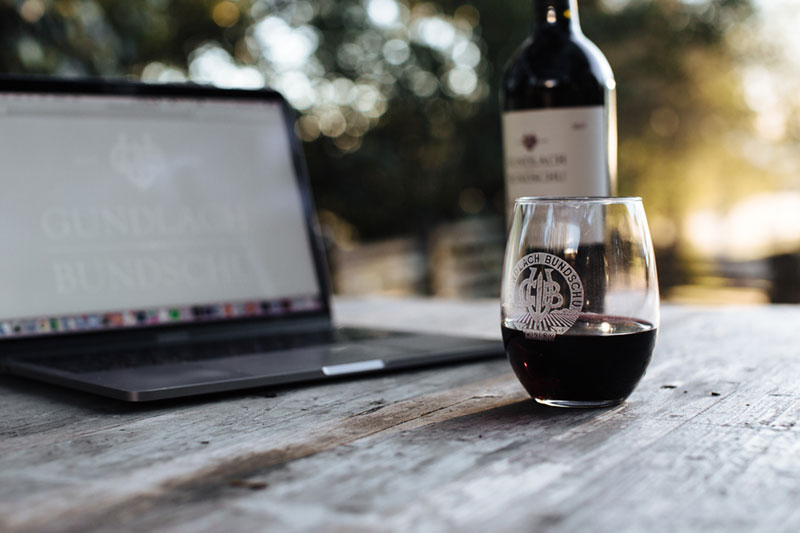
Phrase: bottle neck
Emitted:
{"points": [[558, 15]]}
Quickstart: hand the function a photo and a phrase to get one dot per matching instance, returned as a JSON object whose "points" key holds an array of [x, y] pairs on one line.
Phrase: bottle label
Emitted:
{"points": [[555, 152]]}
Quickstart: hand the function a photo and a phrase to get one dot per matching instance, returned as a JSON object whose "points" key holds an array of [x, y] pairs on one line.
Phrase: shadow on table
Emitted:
{"points": [[517, 416]]}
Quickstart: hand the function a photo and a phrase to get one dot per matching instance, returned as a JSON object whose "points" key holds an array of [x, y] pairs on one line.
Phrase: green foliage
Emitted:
{"points": [[428, 155]]}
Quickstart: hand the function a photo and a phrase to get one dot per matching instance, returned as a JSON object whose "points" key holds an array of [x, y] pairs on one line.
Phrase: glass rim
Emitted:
{"points": [[528, 200]]}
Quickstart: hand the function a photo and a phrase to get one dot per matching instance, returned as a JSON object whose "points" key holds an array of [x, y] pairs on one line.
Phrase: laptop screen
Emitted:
{"points": [[122, 211]]}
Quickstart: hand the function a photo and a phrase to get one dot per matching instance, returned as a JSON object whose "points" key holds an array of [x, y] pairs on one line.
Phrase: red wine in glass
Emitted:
{"points": [[599, 361]]}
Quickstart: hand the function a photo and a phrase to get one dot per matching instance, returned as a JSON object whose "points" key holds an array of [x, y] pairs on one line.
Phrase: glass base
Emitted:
{"points": [[577, 404]]}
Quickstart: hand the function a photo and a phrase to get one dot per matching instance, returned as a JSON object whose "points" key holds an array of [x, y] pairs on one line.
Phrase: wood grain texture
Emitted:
{"points": [[708, 442]]}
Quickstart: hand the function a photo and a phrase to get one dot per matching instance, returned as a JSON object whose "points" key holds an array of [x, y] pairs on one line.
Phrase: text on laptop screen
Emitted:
{"points": [[122, 211]]}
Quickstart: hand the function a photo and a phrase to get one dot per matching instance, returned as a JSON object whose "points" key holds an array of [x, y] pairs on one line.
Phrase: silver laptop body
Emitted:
{"points": [[160, 242]]}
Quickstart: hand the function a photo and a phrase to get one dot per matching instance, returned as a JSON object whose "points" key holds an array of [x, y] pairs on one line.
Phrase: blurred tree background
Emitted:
{"points": [[398, 107]]}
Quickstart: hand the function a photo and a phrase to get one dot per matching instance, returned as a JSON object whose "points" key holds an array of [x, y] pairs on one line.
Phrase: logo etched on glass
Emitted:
{"points": [[547, 296]]}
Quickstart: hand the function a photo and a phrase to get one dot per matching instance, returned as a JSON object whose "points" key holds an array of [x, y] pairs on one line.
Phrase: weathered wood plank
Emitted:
{"points": [[118, 452], [458, 447]]}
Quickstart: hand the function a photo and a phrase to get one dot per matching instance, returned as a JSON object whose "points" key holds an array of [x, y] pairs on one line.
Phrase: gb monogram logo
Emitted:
{"points": [[547, 296]]}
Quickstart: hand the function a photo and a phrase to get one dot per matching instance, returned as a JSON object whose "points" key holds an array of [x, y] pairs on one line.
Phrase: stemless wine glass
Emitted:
{"points": [[579, 299]]}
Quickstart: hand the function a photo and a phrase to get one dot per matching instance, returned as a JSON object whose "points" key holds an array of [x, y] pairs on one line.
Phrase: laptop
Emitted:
{"points": [[160, 241]]}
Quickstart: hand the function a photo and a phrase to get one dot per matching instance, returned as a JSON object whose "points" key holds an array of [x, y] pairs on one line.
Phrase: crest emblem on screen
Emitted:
{"points": [[547, 296], [139, 159]]}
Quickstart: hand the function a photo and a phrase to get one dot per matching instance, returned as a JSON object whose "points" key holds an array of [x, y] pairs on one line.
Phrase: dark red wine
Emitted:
{"points": [[559, 111], [599, 360]]}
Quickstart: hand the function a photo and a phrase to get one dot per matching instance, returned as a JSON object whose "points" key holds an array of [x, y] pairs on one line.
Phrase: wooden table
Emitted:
{"points": [[709, 441]]}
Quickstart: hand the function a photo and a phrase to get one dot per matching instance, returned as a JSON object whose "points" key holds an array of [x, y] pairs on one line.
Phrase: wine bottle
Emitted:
{"points": [[559, 111]]}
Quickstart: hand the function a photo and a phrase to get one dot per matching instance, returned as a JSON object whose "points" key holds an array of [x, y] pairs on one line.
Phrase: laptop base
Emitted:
{"points": [[149, 374]]}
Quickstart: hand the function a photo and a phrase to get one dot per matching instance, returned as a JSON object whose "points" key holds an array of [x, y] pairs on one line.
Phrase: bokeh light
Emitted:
{"points": [[398, 100], [343, 99]]}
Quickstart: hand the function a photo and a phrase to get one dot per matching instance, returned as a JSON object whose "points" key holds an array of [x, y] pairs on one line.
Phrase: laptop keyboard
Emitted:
{"points": [[204, 351]]}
